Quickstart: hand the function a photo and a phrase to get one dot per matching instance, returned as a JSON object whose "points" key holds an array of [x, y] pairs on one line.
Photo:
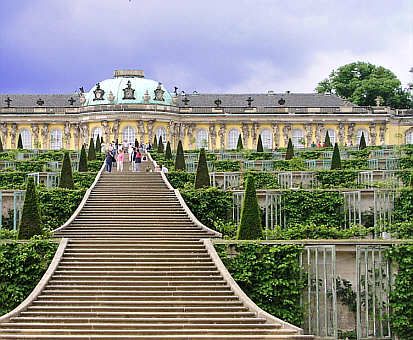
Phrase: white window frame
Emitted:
{"points": [[202, 139], [366, 136], [233, 136], [128, 135], [297, 138], [26, 138], [266, 138], [56, 139]]}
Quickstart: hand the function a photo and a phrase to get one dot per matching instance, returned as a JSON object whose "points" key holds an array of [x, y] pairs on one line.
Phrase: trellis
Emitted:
{"points": [[249, 165], [20, 156], [352, 209], [237, 198], [273, 209], [392, 163], [18, 202], [365, 178], [372, 291], [267, 165], [9, 165], [373, 164], [51, 180], [231, 180], [383, 208]]}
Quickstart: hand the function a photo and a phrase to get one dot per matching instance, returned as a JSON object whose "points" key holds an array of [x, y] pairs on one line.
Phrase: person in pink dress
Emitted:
{"points": [[119, 162]]}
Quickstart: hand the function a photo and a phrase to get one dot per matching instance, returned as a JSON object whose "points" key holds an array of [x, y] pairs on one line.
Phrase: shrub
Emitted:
{"points": [[337, 178], [30, 220], [98, 146], [178, 179], [403, 207], [202, 174], [250, 224], [180, 158], [83, 180], [155, 143], [260, 148], [1, 145], [263, 180], [327, 141], [168, 152], [66, 176], [91, 155], [239, 143], [335, 160], [20, 142], [362, 144], [227, 165], [290, 150], [160, 145], [83, 160]]}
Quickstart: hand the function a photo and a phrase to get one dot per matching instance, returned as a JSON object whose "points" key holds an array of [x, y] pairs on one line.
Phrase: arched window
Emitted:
{"points": [[332, 135], [97, 132], [26, 138], [56, 140], [297, 138], [233, 139], [366, 136], [161, 132], [266, 137], [202, 139], [409, 137], [129, 135]]}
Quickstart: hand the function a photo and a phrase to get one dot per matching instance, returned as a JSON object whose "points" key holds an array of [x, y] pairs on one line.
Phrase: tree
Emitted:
{"points": [[240, 146], [83, 160], [336, 160], [202, 174], [168, 152], [30, 220], [361, 83], [327, 141], [362, 144], [155, 143], [98, 145], [290, 150], [66, 176], [250, 225], [160, 145], [260, 148], [91, 154], [20, 142], [1, 145], [180, 158]]}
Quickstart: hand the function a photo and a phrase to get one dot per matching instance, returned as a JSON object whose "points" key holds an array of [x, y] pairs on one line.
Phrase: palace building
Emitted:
{"points": [[129, 107]]}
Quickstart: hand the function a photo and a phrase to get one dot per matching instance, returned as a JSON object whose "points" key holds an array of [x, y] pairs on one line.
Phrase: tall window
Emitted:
{"points": [[332, 135], [266, 137], [202, 139], [161, 132], [232, 139], [129, 134], [26, 138], [409, 137], [97, 132], [297, 138], [366, 136], [56, 140]]}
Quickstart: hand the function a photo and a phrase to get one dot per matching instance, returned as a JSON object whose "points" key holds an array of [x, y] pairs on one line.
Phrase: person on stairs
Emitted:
{"points": [[119, 163], [138, 160], [108, 160]]}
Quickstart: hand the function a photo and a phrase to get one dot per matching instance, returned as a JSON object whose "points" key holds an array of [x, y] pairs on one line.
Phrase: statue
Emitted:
{"points": [[13, 133], [276, 133], [159, 93], [149, 128], [254, 133], [115, 129], [308, 133], [45, 136], [128, 91], [67, 134], [341, 131], [4, 131], [213, 136], [382, 133], [141, 130], [106, 131], [245, 133], [350, 133], [372, 133], [286, 133], [35, 133], [221, 133], [379, 101]]}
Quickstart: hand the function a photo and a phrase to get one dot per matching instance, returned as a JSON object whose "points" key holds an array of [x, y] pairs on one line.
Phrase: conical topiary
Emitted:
{"points": [[30, 220], [66, 176], [20, 142], [327, 141], [83, 160], [168, 151], [155, 143], [362, 144], [160, 145], [180, 158], [91, 154], [1, 145], [336, 160], [260, 148], [240, 146], [98, 147], [250, 225], [101, 140], [202, 174], [290, 150]]}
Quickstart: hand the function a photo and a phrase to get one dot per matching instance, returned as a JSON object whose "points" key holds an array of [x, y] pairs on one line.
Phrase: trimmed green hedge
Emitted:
{"points": [[227, 166], [337, 178]]}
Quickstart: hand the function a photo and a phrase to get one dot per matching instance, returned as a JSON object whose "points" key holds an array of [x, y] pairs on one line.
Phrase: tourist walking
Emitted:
{"points": [[119, 161], [109, 160], [130, 153], [138, 160]]}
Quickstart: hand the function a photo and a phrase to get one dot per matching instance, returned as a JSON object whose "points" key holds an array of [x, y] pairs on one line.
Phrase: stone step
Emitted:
{"points": [[104, 283], [140, 245], [111, 267], [143, 294], [141, 256], [140, 278], [94, 306], [140, 261], [136, 273], [170, 289], [161, 337]]}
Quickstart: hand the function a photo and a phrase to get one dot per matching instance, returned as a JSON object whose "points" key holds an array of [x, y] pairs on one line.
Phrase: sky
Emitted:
{"points": [[214, 46]]}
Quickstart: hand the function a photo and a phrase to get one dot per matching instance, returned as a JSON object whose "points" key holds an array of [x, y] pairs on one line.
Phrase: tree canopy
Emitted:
{"points": [[361, 83]]}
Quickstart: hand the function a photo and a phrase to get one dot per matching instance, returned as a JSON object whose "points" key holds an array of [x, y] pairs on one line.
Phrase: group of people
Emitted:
{"points": [[116, 153]]}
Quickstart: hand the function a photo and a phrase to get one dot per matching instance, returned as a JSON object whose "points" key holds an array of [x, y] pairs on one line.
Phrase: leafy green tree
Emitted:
{"points": [[155, 143], [1, 145], [98, 145], [91, 155], [66, 176], [20, 142], [327, 141], [160, 145], [83, 160], [336, 160], [250, 225], [30, 220], [361, 83], [260, 148], [202, 174], [180, 158], [362, 144], [290, 150], [240, 146], [168, 152]]}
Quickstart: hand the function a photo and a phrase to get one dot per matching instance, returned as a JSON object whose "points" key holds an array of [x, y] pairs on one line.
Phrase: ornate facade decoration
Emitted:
{"points": [[99, 93], [76, 132], [213, 136], [149, 128], [13, 133], [111, 97], [382, 133], [159, 93], [82, 98], [221, 132], [115, 129], [128, 91], [308, 134], [35, 134], [276, 135], [286, 132], [372, 133], [4, 132], [140, 124], [190, 133], [320, 133], [254, 135], [67, 135], [106, 131], [45, 136], [84, 132], [341, 133], [245, 133], [146, 97], [350, 134]]}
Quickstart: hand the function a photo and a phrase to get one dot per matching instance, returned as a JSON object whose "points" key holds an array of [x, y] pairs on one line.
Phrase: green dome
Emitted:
{"points": [[127, 90]]}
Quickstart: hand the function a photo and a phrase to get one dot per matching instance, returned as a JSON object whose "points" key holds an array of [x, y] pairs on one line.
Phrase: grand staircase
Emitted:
{"points": [[134, 264]]}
